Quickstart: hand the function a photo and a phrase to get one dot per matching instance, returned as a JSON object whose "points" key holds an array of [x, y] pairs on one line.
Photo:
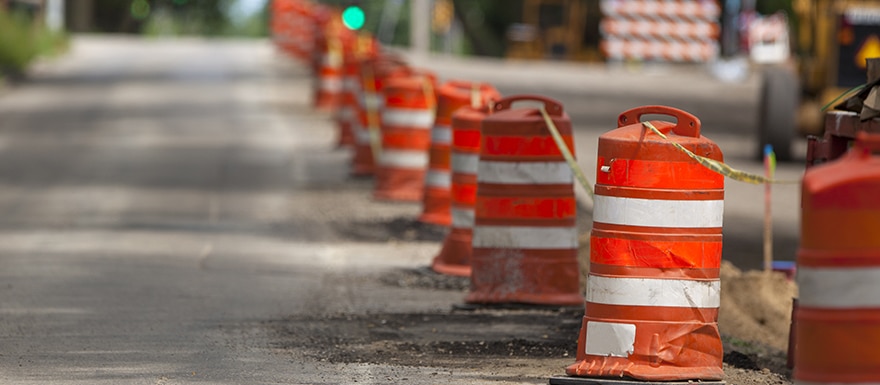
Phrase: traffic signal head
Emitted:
{"points": [[353, 17]]}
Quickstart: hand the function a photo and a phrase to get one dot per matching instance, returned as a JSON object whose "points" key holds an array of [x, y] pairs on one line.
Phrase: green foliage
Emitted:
{"points": [[17, 47], [209, 18], [22, 41], [486, 22]]}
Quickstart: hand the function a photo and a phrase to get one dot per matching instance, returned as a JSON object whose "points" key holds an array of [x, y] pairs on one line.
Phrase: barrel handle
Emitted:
{"points": [[553, 106], [687, 125], [867, 142]]}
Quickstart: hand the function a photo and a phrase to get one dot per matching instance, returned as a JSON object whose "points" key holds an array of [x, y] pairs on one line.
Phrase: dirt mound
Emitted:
{"points": [[756, 306]]}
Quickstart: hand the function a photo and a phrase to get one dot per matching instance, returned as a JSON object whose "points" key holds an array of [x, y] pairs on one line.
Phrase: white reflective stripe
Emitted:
{"points": [[438, 179], [465, 163], [462, 219], [404, 159], [610, 339], [657, 212], [372, 100], [689, 293], [441, 135], [402, 117], [525, 237], [332, 84], [838, 288], [524, 172]]}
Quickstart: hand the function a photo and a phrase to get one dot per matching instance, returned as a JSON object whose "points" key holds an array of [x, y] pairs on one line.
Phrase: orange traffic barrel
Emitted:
{"points": [[374, 73], [407, 117], [293, 27], [320, 18], [330, 47], [525, 237], [361, 48], [837, 319], [283, 17], [455, 255], [653, 289], [346, 113], [451, 96]]}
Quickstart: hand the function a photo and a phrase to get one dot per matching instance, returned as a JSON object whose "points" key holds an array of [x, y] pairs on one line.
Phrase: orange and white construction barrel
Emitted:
{"points": [[346, 114], [330, 50], [451, 96], [407, 117], [293, 27], [525, 237], [359, 49], [837, 319], [653, 288], [456, 253], [374, 72]]}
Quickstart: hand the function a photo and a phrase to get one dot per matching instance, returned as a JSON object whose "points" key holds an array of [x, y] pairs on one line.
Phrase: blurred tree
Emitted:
{"points": [[485, 23], [187, 17], [194, 17], [769, 7]]}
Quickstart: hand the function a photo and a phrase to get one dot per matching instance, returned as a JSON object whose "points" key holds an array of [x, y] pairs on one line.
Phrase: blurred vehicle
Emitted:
{"points": [[832, 39], [556, 29]]}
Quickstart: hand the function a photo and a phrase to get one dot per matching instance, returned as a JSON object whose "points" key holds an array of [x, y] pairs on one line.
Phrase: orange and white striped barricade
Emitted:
{"points": [[283, 16], [279, 12], [837, 320], [319, 17], [330, 49], [407, 116], [653, 289], [374, 73], [525, 237], [362, 47], [346, 113], [293, 27], [455, 255], [451, 96]]}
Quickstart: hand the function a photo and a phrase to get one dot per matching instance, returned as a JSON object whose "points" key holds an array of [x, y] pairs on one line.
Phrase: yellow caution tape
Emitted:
{"points": [[579, 175], [430, 99], [719, 167]]}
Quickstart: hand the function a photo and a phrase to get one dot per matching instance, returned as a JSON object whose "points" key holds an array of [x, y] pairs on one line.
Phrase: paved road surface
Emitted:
{"points": [[161, 201]]}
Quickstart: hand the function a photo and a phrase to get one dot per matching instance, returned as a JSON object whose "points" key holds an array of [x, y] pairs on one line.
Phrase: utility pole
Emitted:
{"points": [[420, 24], [54, 15]]}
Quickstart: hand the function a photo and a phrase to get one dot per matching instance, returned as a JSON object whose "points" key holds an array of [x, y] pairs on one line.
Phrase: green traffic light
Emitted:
{"points": [[353, 17]]}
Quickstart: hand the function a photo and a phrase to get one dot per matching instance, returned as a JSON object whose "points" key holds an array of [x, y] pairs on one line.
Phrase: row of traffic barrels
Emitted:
{"points": [[488, 167]]}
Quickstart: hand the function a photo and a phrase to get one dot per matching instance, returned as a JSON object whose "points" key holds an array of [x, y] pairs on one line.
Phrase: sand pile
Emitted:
{"points": [[755, 306]]}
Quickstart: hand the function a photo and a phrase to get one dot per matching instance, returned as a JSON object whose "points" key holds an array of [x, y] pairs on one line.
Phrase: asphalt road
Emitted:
{"points": [[160, 201]]}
